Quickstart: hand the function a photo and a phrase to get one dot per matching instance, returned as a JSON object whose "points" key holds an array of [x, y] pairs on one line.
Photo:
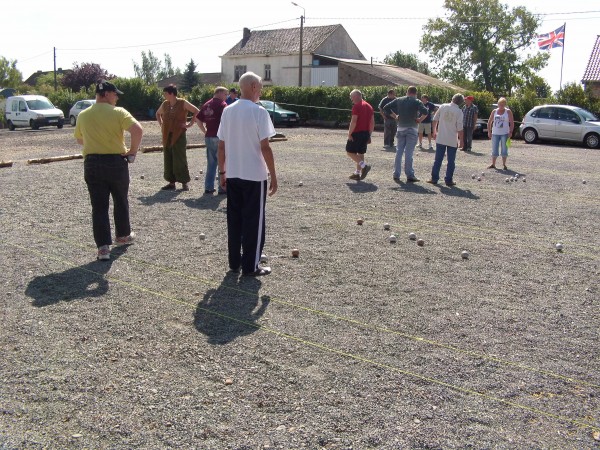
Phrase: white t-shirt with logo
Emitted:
{"points": [[450, 121], [243, 125]]}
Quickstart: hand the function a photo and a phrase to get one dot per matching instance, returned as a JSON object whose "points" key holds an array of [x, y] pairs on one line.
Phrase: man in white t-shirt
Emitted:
{"points": [[245, 163], [448, 134]]}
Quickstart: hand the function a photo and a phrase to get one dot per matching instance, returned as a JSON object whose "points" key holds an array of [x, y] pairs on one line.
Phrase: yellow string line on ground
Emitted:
{"points": [[211, 283], [577, 422]]}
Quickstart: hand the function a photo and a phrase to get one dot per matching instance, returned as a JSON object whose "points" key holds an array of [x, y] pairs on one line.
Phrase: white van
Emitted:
{"points": [[32, 111]]}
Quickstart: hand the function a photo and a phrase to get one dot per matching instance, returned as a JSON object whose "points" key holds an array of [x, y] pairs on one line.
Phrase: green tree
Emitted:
{"points": [[10, 76], [44, 84], [152, 69], [409, 61], [190, 77], [485, 41]]}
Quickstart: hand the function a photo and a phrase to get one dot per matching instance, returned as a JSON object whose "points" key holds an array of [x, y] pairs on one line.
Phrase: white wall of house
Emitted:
{"points": [[284, 68], [324, 76]]}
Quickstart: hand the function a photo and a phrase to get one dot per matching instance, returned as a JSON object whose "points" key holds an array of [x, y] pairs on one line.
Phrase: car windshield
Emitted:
{"points": [[39, 104], [269, 105], [588, 116]]}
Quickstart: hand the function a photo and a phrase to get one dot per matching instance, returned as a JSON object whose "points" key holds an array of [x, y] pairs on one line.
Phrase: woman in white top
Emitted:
{"points": [[500, 128]]}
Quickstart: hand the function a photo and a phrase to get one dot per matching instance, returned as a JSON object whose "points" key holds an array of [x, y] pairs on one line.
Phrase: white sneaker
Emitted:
{"points": [[103, 253], [125, 240]]}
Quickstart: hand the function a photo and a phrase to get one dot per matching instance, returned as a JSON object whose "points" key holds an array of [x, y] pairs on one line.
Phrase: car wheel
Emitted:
{"points": [[11, 126], [33, 125], [592, 140], [72, 120], [530, 135]]}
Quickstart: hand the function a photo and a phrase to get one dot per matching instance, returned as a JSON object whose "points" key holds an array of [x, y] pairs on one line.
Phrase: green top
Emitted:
{"points": [[407, 108], [102, 127]]}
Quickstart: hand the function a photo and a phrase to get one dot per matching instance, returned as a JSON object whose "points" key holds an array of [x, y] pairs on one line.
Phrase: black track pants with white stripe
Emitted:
{"points": [[245, 222]]}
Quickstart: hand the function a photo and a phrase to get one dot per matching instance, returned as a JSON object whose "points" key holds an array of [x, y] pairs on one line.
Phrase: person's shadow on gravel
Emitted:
{"points": [[362, 187], [212, 202], [457, 192], [159, 197], [231, 310], [83, 282]]}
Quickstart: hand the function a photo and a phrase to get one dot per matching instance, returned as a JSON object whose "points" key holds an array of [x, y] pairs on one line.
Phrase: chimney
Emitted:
{"points": [[246, 36]]}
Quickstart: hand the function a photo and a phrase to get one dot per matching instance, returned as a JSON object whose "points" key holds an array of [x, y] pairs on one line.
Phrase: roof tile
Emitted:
{"points": [[592, 71]]}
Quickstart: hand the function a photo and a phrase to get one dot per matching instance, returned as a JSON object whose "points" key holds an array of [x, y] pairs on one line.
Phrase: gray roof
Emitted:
{"points": [[399, 76], [283, 41], [592, 71]]}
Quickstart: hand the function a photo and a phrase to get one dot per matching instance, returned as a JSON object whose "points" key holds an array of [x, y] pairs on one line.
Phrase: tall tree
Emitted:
{"points": [[485, 41], [10, 76], [84, 75], [190, 77], [152, 69], [409, 61]]}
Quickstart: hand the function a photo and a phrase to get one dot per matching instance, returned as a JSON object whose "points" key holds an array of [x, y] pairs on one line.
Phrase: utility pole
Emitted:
{"points": [[55, 84], [302, 17]]}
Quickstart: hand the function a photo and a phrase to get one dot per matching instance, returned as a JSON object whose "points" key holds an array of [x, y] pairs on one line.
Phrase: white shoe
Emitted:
{"points": [[103, 253], [125, 240]]}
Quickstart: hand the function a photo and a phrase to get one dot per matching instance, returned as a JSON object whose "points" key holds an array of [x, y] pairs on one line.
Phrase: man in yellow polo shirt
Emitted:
{"points": [[100, 129]]}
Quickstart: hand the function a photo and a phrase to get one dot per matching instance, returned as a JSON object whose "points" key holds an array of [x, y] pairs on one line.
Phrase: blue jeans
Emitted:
{"points": [[212, 144], [406, 141], [440, 151], [106, 176], [499, 140]]}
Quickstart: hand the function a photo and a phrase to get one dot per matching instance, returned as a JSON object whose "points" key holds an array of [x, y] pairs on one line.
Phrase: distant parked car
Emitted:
{"points": [[77, 108], [280, 116], [33, 111], [561, 123]]}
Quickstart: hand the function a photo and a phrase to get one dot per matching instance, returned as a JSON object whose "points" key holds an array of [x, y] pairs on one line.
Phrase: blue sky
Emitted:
{"points": [[114, 33]]}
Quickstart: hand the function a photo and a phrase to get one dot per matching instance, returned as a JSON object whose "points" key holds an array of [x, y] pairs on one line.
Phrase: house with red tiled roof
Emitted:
{"points": [[591, 76], [329, 58]]}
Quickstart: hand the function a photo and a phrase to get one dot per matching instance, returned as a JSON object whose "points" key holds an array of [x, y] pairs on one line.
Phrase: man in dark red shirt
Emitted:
{"points": [[208, 119], [359, 134]]}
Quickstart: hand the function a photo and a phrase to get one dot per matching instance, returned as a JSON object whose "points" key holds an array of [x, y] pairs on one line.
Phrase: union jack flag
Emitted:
{"points": [[553, 39]]}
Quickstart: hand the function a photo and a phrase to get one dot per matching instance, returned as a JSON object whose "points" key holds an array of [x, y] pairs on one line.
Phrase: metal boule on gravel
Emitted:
{"points": [[483, 174], [524, 180], [142, 177], [359, 221], [559, 247], [507, 180], [202, 236], [201, 172], [196, 178], [583, 181], [412, 236], [478, 178], [301, 184], [263, 258], [386, 226], [420, 242], [464, 254], [295, 253], [473, 176], [392, 239]]}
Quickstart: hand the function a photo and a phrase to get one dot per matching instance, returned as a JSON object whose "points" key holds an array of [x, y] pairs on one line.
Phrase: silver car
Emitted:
{"points": [[561, 123], [77, 108]]}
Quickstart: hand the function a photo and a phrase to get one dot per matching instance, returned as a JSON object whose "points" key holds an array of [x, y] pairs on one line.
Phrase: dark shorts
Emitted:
{"points": [[359, 142]]}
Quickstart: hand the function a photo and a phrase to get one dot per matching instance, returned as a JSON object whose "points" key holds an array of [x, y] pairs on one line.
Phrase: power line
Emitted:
{"points": [[172, 42]]}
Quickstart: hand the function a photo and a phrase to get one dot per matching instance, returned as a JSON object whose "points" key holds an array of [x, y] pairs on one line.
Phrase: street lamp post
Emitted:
{"points": [[302, 17]]}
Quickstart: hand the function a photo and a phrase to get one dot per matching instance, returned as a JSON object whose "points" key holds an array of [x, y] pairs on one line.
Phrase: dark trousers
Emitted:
{"points": [[440, 151], [176, 164], [106, 176], [390, 126], [467, 138], [245, 222]]}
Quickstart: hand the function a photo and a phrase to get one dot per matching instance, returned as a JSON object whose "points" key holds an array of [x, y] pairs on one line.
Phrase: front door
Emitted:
{"points": [[568, 125]]}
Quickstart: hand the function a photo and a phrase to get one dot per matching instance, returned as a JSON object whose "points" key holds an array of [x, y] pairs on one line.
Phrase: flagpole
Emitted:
{"points": [[563, 54]]}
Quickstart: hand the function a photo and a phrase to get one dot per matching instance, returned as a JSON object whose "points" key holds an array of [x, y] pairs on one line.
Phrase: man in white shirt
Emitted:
{"points": [[448, 134], [245, 163]]}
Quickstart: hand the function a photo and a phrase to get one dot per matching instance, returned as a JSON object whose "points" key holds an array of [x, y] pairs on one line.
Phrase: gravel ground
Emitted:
{"points": [[358, 343]]}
